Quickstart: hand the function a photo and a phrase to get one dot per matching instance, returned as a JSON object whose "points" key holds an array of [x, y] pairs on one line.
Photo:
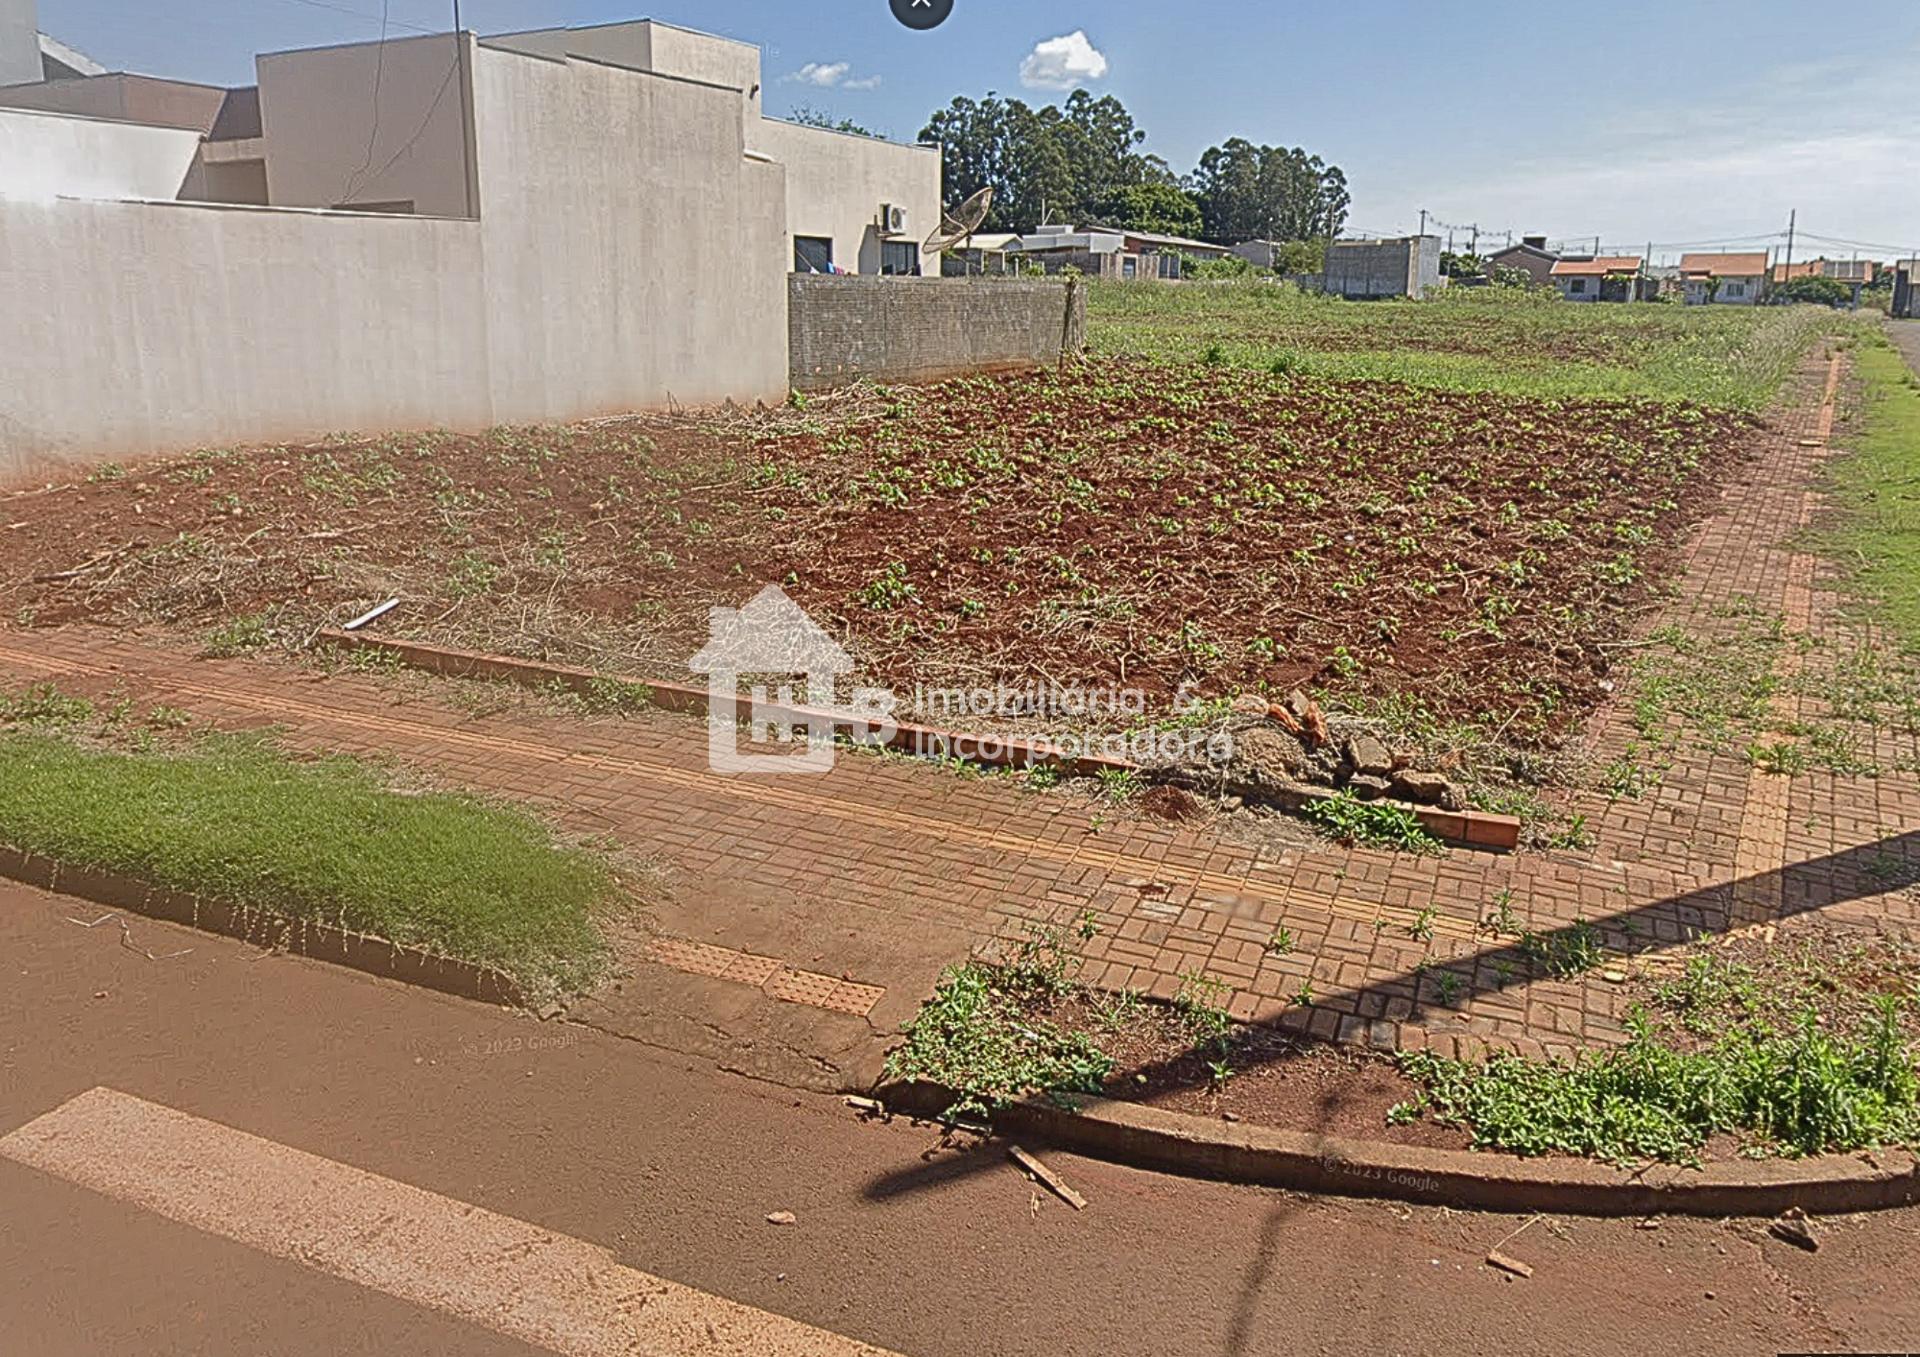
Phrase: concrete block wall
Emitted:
{"points": [[924, 329]]}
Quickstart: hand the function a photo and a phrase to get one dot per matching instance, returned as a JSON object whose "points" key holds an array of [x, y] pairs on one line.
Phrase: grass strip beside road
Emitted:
{"points": [[327, 841], [1878, 489]]}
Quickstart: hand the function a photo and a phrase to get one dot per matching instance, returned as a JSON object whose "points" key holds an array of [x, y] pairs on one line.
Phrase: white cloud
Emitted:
{"points": [[825, 74], [1062, 63], [829, 75]]}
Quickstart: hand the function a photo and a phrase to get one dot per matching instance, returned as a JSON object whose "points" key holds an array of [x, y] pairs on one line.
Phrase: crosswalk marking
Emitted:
{"points": [[546, 1289]]}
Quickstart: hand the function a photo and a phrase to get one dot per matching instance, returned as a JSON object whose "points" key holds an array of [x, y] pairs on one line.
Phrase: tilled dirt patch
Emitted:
{"points": [[1181, 530]]}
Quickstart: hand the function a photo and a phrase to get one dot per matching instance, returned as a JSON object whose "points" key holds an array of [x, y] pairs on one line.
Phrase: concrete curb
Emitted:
{"points": [[1471, 829], [263, 928], [1174, 1142]]}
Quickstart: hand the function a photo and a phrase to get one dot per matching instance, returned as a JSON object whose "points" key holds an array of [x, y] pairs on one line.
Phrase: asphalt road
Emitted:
{"points": [[896, 1241]]}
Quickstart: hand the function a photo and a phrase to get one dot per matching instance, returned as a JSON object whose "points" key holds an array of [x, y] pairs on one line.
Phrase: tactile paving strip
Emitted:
{"points": [[773, 977]]}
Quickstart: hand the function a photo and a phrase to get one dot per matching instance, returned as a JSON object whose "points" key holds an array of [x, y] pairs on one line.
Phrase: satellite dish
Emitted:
{"points": [[961, 223]]}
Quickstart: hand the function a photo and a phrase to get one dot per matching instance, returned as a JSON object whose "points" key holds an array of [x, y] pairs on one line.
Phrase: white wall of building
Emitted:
{"points": [[19, 42], [49, 155], [836, 182], [634, 253], [158, 326], [318, 114]]}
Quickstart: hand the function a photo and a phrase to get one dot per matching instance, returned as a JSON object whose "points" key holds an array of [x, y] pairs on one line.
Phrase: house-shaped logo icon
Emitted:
{"points": [[771, 638]]}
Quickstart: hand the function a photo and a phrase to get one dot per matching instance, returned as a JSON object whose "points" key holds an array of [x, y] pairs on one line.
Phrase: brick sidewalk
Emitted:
{"points": [[879, 872]]}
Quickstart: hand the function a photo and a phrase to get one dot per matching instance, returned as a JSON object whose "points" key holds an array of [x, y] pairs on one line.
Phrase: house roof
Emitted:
{"points": [[1524, 248], [1744, 265], [1807, 269], [1595, 268]]}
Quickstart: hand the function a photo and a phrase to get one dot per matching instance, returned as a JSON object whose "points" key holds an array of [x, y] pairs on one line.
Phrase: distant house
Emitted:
{"points": [[1110, 252], [1606, 279], [1724, 279], [1860, 271], [1531, 256]]}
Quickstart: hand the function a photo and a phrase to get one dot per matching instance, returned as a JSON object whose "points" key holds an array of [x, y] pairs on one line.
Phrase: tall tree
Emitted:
{"points": [[1164, 208], [1249, 192], [1083, 160], [1045, 164]]}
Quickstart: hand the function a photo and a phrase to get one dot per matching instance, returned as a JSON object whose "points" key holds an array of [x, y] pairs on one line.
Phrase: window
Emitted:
{"points": [[1129, 267], [900, 258], [1736, 289], [813, 254], [1577, 285]]}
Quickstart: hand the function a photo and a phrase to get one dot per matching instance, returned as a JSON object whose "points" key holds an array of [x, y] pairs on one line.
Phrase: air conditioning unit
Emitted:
{"points": [[893, 220]]}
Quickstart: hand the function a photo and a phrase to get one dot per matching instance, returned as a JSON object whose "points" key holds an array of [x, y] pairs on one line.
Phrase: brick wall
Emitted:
{"points": [[922, 329]]}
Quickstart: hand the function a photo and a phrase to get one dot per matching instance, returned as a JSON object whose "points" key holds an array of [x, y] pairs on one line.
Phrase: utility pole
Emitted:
{"points": [[1596, 247], [1474, 248], [1423, 222], [1793, 219]]}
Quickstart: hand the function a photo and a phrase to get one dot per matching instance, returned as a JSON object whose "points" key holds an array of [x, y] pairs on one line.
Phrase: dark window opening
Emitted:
{"points": [[813, 254], [900, 258]]}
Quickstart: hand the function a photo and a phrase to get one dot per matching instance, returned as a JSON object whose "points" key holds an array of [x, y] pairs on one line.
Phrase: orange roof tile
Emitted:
{"points": [[1574, 268], [1743, 265]]}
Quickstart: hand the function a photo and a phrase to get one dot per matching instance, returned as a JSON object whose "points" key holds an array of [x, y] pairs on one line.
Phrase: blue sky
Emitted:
{"points": [[1673, 121]]}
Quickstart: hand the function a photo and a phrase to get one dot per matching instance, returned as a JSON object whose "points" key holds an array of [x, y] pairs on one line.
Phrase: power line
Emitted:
{"points": [[373, 132], [381, 19]]}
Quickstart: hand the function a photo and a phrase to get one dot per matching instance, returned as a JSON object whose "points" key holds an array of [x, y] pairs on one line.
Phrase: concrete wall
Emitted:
{"points": [[318, 114], [48, 155], [161, 326], [634, 252], [649, 45], [130, 98], [836, 182], [19, 42], [923, 329], [1406, 267]]}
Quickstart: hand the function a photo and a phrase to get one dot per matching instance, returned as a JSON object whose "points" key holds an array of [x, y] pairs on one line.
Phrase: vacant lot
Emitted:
{"points": [[1127, 521], [1475, 340]]}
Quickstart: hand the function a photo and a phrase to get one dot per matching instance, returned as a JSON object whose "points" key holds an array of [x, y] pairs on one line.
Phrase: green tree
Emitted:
{"points": [[1166, 209], [1045, 164], [1249, 192], [808, 116]]}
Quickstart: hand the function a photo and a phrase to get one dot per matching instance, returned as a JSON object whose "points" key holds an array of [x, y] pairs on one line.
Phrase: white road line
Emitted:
{"points": [[547, 1289]]}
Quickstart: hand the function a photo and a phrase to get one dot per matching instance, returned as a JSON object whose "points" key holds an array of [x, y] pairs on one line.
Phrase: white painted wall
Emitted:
{"points": [[161, 326], [19, 42], [837, 181], [634, 253], [318, 114], [47, 155]]}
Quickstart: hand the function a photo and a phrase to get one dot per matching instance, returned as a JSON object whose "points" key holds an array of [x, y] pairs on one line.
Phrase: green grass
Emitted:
{"points": [[1796, 1090], [1879, 491], [976, 1038], [1730, 357], [231, 818]]}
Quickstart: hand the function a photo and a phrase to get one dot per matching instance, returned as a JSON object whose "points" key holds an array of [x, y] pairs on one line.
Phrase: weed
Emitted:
{"points": [[1565, 952], [1279, 942], [1374, 823], [238, 636], [42, 704], [1799, 1091]]}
